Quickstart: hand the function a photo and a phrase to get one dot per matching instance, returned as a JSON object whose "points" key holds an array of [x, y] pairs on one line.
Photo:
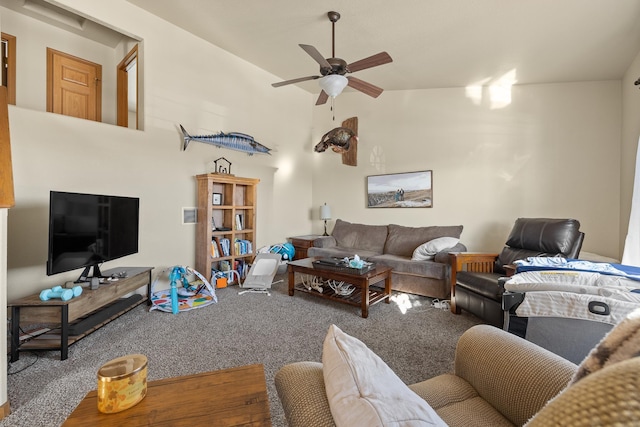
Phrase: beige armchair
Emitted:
{"points": [[499, 379]]}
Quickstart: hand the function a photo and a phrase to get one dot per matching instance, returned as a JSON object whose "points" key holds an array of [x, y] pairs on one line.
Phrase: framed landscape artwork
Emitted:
{"points": [[400, 190]]}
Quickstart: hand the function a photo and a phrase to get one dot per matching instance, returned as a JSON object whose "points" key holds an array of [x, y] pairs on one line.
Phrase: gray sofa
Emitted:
{"points": [[394, 245]]}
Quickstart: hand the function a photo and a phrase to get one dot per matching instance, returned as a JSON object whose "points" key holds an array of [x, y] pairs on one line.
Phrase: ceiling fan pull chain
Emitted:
{"points": [[333, 111]]}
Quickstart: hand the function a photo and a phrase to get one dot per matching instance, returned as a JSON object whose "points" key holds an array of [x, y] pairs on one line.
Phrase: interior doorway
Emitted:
{"points": [[9, 66], [74, 86], [128, 90]]}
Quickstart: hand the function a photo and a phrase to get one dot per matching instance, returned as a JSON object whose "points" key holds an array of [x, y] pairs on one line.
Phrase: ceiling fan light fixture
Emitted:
{"points": [[333, 84]]}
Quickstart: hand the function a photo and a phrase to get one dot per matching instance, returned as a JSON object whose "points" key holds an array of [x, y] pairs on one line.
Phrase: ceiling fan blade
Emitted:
{"points": [[298, 80], [372, 61], [364, 87], [322, 98], [313, 52]]}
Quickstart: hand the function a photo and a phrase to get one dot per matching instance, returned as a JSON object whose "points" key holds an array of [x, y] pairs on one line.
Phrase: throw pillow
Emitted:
{"points": [[363, 391], [428, 250]]}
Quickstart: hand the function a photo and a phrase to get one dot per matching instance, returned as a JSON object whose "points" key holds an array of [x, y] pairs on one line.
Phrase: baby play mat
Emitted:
{"points": [[191, 294]]}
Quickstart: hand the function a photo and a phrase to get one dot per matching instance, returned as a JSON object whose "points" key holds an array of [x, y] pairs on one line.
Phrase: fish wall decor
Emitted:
{"points": [[232, 140]]}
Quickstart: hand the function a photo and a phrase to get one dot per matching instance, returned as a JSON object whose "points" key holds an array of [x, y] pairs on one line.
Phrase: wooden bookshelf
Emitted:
{"points": [[226, 210]]}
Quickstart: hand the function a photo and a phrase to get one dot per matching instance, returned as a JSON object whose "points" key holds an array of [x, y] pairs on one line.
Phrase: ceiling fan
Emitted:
{"points": [[333, 70]]}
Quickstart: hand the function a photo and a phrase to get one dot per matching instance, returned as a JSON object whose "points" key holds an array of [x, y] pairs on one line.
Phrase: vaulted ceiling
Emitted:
{"points": [[433, 43]]}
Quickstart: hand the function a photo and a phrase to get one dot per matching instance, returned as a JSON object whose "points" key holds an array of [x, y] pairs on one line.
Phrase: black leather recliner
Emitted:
{"points": [[475, 284]]}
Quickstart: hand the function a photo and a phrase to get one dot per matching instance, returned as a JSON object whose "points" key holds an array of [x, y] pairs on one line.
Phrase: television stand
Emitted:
{"points": [[85, 276], [87, 312]]}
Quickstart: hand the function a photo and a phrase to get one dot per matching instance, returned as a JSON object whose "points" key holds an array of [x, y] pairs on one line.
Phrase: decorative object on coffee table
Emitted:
{"points": [[325, 215]]}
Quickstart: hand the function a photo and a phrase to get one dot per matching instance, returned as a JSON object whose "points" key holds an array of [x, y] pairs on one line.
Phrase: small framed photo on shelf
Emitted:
{"points": [[239, 224], [216, 199]]}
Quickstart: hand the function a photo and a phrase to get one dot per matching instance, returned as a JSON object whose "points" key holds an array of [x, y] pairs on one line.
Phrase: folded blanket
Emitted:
{"points": [[556, 263]]}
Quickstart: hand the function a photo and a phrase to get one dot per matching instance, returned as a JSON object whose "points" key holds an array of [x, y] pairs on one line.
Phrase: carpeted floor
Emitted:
{"points": [[414, 338]]}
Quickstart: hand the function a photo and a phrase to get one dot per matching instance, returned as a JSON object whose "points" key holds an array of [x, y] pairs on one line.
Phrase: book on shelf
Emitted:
{"points": [[216, 247], [239, 224], [241, 267], [243, 246], [225, 249]]}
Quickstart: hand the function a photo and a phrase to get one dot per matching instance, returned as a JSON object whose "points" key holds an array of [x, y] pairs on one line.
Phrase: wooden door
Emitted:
{"points": [[127, 90], [7, 198], [74, 86]]}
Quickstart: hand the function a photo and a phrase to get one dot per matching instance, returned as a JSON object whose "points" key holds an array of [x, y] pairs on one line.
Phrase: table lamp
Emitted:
{"points": [[325, 214]]}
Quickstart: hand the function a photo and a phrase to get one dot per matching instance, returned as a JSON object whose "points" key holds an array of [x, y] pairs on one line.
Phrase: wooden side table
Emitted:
{"points": [[228, 397], [302, 243]]}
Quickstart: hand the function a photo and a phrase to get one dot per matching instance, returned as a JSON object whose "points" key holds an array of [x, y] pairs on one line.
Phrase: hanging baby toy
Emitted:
{"points": [[176, 274]]}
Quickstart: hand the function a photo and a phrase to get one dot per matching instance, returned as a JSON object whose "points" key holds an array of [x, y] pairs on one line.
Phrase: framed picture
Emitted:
{"points": [[216, 199], [400, 190]]}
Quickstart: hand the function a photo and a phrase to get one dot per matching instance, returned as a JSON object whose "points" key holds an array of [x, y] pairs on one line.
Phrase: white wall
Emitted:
{"points": [[186, 81], [32, 39], [554, 151], [630, 134]]}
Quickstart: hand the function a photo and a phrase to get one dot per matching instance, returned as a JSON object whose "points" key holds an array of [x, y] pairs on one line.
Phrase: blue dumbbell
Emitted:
{"points": [[77, 290], [59, 292]]}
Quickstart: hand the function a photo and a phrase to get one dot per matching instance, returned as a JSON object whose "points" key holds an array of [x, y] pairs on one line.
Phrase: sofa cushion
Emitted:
{"points": [[485, 284], [360, 236], [457, 402], [404, 240], [434, 270], [443, 256], [544, 235], [429, 249], [340, 252], [363, 391], [508, 255]]}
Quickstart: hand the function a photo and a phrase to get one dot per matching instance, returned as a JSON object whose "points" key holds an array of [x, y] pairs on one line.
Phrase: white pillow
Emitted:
{"points": [[427, 250], [363, 391]]}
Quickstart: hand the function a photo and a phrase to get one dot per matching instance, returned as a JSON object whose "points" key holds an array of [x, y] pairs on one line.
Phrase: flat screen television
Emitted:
{"points": [[86, 230]]}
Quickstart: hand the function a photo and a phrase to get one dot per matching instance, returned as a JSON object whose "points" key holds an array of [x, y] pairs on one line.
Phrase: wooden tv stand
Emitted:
{"points": [[31, 310]]}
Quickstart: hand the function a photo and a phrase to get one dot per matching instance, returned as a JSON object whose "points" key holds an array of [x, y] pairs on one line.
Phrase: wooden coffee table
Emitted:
{"points": [[229, 397], [362, 297]]}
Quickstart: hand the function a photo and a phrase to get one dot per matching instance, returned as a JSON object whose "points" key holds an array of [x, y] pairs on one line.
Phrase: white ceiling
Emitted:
{"points": [[433, 43]]}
